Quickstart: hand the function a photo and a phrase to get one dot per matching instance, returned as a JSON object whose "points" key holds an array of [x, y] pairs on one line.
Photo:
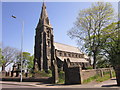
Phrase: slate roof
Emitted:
{"points": [[67, 48]]}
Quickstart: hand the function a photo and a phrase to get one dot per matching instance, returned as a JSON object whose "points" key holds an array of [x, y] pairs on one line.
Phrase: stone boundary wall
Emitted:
{"points": [[73, 75], [90, 73]]}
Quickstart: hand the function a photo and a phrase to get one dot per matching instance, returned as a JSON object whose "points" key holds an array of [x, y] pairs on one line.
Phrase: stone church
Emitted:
{"points": [[46, 50]]}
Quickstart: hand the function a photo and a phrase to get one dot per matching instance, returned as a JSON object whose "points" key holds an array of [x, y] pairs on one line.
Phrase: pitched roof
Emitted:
{"points": [[67, 48]]}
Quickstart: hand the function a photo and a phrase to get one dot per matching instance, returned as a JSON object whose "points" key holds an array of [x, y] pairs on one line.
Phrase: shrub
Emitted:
{"points": [[61, 77], [43, 73], [89, 67]]}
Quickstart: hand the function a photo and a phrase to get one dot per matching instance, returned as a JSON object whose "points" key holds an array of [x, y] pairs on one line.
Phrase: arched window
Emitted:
{"points": [[76, 55], [48, 34], [48, 43], [72, 55], [80, 56], [69, 55], [65, 54], [60, 54]]}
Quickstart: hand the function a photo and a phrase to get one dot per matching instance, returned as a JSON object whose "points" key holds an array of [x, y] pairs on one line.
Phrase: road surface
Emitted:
{"points": [[106, 84]]}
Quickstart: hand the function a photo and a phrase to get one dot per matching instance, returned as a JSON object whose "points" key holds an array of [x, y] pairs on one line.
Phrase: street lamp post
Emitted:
{"points": [[21, 46]]}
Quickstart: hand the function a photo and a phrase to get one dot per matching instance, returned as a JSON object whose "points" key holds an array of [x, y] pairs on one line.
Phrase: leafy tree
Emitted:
{"points": [[89, 25], [9, 55], [30, 63], [1, 61], [27, 60], [102, 62], [112, 46]]}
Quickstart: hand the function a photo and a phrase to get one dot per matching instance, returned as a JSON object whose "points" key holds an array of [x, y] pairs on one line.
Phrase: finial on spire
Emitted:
{"points": [[43, 12], [43, 3]]}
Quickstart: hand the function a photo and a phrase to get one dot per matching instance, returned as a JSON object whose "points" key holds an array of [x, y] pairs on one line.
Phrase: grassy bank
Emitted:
{"points": [[98, 78]]}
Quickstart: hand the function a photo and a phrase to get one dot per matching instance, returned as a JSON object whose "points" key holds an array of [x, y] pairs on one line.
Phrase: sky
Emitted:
{"points": [[62, 15], [0, 22]]}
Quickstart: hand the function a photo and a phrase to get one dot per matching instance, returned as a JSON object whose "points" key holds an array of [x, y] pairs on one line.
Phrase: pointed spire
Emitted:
{"points": [[44, 11], [43, 4], [44, 20]]}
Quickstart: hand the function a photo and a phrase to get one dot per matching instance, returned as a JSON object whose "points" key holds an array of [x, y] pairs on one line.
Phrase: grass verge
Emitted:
{"points": [[98, 78]]}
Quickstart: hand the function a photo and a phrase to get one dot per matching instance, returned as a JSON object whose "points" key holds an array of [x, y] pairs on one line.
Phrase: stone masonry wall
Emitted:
{"points": [[89, 73], [73, 76]]}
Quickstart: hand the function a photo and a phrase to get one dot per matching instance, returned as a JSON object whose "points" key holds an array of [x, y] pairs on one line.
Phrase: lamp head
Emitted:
{"points": [[13, 16]]}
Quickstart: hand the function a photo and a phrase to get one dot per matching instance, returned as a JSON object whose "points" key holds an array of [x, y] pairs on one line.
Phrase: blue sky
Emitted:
{"points": [[62, 15], [1, 21]]}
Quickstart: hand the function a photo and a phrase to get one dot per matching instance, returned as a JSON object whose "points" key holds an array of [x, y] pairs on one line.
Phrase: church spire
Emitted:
{"points": [[44, 20], [44, 12], [44, 47]]}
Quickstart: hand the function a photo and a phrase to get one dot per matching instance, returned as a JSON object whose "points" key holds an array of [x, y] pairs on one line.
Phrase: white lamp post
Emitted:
{"points": [[21, 46]]}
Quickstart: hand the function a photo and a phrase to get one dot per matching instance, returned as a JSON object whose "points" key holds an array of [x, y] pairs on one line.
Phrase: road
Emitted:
{"points": [[106, 84], [17, 86]]}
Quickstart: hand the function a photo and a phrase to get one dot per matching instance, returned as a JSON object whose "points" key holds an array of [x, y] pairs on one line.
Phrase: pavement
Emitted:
{"points": [[106, 84]]}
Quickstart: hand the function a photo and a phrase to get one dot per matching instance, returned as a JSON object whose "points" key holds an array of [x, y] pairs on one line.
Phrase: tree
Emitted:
{"points": [[89, 25], [9, 55], [27, 60], [30, 63], [1, 54], [1, 61], [112, 46], [102, 62]]}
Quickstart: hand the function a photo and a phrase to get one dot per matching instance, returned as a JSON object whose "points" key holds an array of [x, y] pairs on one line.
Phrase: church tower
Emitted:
{"points": [[44, 48]]}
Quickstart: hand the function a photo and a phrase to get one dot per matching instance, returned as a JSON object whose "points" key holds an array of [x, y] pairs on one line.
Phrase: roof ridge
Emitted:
{"points": [[66, 45]]}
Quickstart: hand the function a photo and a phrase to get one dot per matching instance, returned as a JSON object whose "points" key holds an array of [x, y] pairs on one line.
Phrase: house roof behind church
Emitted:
{"points": [[67, 48]]}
